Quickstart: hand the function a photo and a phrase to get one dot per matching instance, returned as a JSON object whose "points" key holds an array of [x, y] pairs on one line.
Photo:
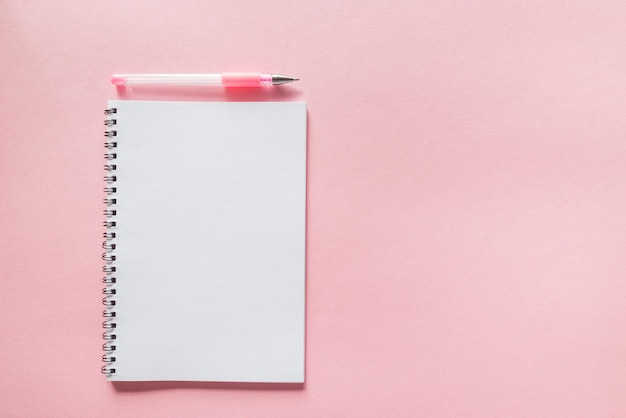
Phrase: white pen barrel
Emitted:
{"points": [[167, 79]]}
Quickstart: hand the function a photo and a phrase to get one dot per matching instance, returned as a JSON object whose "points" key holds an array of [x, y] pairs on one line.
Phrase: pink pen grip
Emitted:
{"points": [[244, 79]]}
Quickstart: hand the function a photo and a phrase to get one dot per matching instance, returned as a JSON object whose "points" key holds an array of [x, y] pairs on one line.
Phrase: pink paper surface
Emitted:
{"points": [[466, 201]]}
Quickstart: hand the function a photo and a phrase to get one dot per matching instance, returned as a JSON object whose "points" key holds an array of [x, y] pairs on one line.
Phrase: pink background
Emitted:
{"points": [[466, 201]]}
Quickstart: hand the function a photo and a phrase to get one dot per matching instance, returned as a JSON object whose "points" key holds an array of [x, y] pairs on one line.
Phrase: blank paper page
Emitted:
{"points": [[210, 241]]}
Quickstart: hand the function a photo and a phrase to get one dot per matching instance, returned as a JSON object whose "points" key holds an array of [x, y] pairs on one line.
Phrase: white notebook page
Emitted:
{"points": [[210, 252]]}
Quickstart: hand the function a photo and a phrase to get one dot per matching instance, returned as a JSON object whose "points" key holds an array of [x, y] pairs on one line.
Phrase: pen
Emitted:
{"points": [[223, 79]]}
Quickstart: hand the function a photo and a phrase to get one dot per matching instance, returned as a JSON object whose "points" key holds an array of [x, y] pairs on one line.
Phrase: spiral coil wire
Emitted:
{"points": [[109, 246]]}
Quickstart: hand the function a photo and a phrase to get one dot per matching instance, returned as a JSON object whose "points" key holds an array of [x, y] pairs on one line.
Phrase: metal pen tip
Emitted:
{"points": [[282, 79]]}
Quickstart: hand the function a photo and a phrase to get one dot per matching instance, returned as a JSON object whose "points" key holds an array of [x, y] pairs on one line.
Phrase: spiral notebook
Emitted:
{"points": [[204, 262]]}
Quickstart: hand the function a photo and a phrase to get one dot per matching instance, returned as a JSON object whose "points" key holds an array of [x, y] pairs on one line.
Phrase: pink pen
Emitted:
{"points": [[223, 79]]}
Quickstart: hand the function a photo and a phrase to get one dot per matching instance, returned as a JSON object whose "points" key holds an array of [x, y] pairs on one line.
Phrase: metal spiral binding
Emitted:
{"points": [[109, 246]]}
